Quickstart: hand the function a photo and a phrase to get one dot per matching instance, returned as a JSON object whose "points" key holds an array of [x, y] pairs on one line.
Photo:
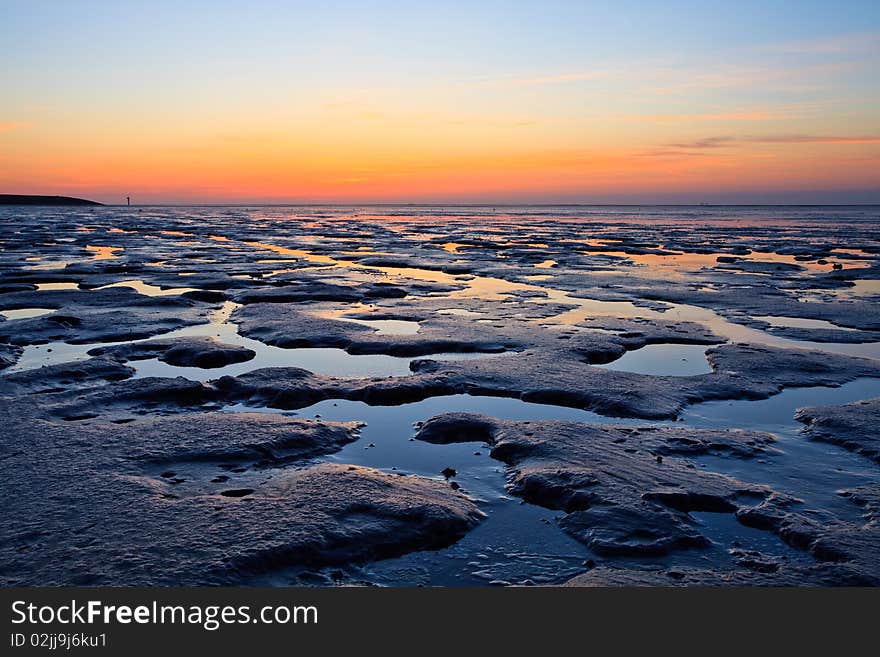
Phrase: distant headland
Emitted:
{"points": [[30, 199]]}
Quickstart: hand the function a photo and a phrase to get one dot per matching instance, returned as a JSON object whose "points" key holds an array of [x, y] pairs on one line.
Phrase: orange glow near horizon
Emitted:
{"points": [[382, 160], [296, 170], [174, 116]]}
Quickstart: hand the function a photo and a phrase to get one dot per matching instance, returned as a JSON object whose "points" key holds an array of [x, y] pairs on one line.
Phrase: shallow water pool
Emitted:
{"points": [[663, 360]]}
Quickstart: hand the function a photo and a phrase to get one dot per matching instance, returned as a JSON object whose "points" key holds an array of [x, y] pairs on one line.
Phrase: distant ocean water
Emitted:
{"points": [[634, 213], [743, 215]]}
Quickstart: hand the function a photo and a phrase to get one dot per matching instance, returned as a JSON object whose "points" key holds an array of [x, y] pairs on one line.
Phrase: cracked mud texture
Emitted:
{"points": [[283, 325], [740, 371], [9, 355], [827, 538], [629, 491], [620, 495], [201, 352], [854, 426], [534, 298], [64, 377], [109, 315], [819, 575], [846, 555], [155, 501]]}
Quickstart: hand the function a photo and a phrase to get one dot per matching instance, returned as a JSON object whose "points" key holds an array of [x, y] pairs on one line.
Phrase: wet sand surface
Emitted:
{"points": [[440, 396]]}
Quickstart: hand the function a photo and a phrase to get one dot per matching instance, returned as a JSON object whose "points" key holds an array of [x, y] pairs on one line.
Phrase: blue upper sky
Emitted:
{"points": [[387, 100]]}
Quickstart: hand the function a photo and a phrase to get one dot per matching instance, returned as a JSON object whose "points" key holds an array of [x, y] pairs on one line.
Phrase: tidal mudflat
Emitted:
{"points": [[440, 396]]}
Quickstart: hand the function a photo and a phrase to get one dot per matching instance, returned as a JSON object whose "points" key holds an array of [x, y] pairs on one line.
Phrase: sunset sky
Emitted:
{"points": [[468, 102]]}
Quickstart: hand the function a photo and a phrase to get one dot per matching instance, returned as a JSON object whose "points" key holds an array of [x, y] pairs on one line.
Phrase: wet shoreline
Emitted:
{"points": [[699, 320]]}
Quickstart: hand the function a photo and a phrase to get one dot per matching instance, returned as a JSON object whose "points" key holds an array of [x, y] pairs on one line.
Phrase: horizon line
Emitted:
{"points": [[486, 205]]}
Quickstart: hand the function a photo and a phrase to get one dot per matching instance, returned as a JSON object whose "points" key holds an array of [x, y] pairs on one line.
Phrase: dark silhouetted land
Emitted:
{"points": [[31, 199]]}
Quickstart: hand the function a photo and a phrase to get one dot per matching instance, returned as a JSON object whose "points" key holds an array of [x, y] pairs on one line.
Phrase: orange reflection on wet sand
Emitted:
{"points": [[103, 252]]}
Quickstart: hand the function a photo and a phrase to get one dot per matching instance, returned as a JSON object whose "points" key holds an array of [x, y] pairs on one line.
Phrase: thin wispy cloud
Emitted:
{"points": [[702, 144], [775, 112], [721, 116], [673, 153], [817, 139], [9, 126], [495, 123], [532, 81], [778, 76], [728, 145], [841, 44], [726, 141]]}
